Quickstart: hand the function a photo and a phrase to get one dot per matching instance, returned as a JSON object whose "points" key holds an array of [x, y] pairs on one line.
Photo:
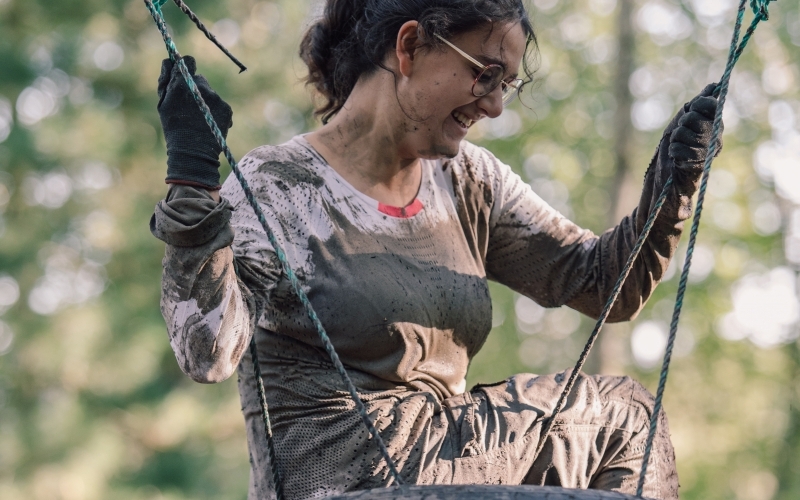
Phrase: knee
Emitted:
{"points": [[625, 390]]}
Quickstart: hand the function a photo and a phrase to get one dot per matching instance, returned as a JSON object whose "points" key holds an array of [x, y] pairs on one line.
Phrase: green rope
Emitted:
{"points": [[288, 272], [760, 8], [202, 27], [562, 400], [262, 399]]}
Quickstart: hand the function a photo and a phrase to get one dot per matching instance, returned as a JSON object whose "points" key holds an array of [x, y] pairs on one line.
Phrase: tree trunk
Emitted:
{"points": [[788, 467], [611, 352]]}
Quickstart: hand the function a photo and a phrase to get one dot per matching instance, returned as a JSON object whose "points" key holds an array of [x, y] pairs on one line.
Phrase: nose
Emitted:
{"points": [[492, 103]]}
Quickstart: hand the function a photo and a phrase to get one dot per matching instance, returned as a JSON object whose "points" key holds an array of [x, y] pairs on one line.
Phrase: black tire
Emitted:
{"points": [[488, 492]]}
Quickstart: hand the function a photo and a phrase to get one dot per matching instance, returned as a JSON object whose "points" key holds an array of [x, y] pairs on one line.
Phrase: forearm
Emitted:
{"points": [[206, 308], [208, 322], [614, 247], [611, 253]]}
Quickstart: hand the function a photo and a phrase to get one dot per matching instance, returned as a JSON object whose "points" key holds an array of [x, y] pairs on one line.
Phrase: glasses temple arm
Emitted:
{"points": [[467, 56]]}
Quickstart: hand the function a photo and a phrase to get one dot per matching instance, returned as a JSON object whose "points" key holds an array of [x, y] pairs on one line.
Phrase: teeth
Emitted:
{"points": [[462, 119]]}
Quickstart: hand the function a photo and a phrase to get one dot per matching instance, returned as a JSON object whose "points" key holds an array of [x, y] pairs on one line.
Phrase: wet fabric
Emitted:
{"points": [[405, 301]]}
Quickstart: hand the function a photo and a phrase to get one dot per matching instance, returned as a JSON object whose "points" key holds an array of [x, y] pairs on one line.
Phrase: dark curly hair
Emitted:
{"points": [[353, 36]]}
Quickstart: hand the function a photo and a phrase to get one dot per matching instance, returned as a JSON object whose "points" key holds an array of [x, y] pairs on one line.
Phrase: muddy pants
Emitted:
{"points": [[485, 436], [597, 441]]}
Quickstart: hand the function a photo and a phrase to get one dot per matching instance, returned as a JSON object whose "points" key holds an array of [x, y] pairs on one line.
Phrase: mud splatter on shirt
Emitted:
{"points": [[402, 293]]}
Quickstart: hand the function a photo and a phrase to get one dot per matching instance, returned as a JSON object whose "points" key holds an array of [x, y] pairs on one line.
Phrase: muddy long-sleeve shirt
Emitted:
{"points": [[402, 292]]}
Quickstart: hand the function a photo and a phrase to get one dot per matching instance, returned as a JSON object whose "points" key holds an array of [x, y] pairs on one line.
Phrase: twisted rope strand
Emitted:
{"points": [[202, 27], [287, 270], [760, 7], [761, 10], [262, 398], [604, 314], [749, 33]]}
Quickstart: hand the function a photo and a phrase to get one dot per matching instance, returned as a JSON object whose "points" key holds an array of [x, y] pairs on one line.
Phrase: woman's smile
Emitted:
{"points": [[462, 119]]}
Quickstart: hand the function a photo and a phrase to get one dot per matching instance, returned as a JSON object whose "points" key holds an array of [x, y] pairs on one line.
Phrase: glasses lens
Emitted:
{"points": [[511, 90], [488, 80]]}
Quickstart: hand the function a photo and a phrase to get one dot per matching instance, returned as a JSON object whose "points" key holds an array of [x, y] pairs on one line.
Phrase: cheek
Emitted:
{"points": [[448, 79], [428, 101], [446, 94], [426, 106]]}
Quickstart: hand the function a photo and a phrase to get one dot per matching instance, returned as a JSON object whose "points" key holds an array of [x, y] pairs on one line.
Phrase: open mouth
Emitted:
{"points": [[462, 119]]}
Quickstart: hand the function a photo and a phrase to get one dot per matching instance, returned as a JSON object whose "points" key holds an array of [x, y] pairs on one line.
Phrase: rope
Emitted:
{"points": [[604, 314], [262, 398], [760, 7], [287, 270], [157, 4], [186, 10]]}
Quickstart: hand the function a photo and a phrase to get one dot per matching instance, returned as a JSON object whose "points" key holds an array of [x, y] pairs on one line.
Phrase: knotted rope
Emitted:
{"points": [[155, 12]]}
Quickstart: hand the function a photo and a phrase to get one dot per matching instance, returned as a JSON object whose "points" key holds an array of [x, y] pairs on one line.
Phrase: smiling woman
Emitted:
{"points": [[341, 47], [394, 225]]}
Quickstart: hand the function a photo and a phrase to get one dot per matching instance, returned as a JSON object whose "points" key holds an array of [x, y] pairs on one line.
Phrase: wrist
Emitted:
{"points": [[687, 177], [192, 160], [193, 145], [210, 187]]}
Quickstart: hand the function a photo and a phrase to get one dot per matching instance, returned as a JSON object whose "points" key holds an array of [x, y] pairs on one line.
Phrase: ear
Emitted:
{"points": [[408, 42]]}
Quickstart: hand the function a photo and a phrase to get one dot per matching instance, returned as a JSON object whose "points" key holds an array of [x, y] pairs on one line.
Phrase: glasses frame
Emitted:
{"points": [[508, 95]]}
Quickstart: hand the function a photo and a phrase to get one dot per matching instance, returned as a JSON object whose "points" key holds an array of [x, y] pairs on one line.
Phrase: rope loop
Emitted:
{"points": [[760, 8]]}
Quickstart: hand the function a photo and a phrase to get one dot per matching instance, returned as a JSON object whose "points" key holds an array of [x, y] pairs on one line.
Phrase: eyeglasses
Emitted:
{"points": [[489, 78]]}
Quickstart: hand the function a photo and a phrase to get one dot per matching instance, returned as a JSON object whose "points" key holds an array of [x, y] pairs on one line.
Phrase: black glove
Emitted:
{"points": [[192, 150], [680, 154], [689, 140]]}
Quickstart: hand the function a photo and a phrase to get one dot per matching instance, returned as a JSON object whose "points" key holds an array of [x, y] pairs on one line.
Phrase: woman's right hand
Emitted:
{"points": [[192, 150]]}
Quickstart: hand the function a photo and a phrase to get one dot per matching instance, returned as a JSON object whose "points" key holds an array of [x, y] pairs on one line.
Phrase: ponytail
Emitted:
{"points": [[325, 48]]}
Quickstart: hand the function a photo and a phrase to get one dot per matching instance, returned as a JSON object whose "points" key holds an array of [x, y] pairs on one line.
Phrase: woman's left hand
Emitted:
{"points": [[689, 141]]}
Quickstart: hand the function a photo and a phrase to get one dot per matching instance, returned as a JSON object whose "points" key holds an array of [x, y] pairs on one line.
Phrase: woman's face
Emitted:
{"points": [[436, 94]]}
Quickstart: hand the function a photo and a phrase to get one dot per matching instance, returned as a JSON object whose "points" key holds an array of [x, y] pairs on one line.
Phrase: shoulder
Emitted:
{"points": [[477, 169], [484, 178], [475, 164], [285, 167], [291, 161]]}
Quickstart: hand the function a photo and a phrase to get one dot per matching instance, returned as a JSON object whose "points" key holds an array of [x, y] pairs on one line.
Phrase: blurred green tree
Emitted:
{"points": [[92, 404]]}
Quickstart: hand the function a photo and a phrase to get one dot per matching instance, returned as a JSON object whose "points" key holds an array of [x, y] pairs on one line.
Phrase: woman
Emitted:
{"points": [[394, 224]]}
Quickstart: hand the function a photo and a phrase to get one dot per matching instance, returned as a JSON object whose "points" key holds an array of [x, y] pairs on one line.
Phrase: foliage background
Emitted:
{"points": [[92, 404]]}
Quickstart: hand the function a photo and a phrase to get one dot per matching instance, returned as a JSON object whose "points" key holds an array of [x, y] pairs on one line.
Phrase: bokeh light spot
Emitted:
{"points": [[108, 56]]}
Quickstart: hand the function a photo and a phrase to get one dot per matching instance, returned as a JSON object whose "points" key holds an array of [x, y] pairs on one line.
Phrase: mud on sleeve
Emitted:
{"points": [[206, 308], [536, 251]]}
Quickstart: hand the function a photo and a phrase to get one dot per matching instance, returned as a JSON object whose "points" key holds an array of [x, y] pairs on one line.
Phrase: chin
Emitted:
{"points": [[441, 150]]}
